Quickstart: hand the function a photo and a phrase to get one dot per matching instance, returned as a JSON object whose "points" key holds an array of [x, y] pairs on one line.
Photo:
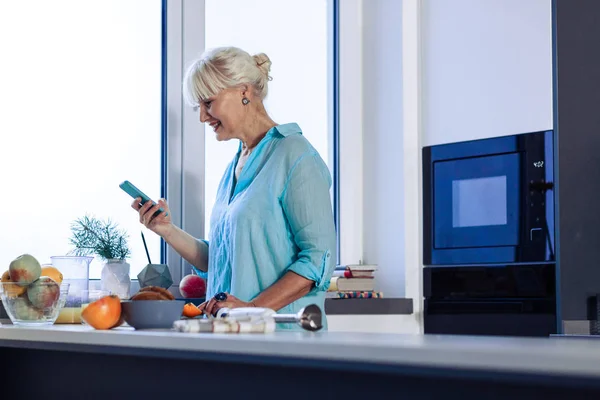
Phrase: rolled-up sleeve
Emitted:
{"points": [[306, 202], [199, 272]]}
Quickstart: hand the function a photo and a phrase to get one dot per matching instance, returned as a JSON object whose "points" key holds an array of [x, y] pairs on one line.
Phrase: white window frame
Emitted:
{"points": [[185, 136], [350, 106]]}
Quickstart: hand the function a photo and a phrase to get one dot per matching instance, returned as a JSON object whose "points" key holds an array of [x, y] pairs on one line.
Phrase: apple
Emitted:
{"points": [[43, 293], [192, 286], [24, 269]]}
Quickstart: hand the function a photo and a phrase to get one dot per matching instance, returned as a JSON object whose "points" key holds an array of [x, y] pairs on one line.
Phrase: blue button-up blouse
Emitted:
{"points": [[276, 218]]}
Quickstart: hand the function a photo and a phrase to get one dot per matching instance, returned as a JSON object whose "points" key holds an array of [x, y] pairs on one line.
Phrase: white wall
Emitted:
{"points": [[486, 68], [433, 71], [383, 183], [411, 132]]}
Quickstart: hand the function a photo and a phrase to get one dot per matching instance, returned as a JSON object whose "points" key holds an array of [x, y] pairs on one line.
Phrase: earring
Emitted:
{"points": [[245, 101]]}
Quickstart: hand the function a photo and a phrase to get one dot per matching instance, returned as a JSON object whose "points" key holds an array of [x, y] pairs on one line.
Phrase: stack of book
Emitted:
{"points": [[353, 282]]}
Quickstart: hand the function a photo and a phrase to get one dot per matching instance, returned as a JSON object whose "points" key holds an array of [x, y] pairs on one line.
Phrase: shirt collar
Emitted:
{"points": [[283, 129], [287, 129]]}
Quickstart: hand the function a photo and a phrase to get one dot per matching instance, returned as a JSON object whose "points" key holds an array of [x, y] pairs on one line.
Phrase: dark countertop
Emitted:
{"points": [[123, 363], [556, 356]]}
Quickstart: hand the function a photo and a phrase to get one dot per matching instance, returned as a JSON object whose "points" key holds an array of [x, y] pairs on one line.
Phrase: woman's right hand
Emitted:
{"points": [[160, 224]]}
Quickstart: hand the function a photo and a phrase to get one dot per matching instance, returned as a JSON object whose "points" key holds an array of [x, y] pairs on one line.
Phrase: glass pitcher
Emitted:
{"points": [[76, 272]]}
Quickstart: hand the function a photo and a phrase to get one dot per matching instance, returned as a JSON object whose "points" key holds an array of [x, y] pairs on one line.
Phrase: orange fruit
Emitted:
{"points": [[52, 272], [12, 290], [103, 313], [6, 276], [191, 311]]}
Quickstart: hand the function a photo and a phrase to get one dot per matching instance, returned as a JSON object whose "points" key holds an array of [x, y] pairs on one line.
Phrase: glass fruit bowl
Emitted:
{"points": [[34, 304]]}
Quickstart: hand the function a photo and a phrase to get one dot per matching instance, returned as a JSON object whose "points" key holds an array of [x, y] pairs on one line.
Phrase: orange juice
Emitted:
{"points": [[69, 315]]}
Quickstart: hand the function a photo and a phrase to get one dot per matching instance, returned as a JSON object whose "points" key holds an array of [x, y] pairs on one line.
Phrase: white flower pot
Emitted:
{"points": [[115, 278]]}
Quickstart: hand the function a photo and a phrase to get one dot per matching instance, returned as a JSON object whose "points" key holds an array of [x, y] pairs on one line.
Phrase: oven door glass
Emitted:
{"points": [[476, 202]]}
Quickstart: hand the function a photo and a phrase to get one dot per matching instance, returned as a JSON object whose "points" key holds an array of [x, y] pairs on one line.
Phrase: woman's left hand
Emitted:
{"points": [[213, 305]]}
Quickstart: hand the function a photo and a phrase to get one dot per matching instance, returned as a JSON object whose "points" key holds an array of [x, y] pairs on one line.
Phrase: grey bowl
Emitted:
{"points": [[152, 314]]}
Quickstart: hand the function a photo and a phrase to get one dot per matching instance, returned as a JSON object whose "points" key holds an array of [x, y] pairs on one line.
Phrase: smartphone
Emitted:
{"points": [[134, 192]]}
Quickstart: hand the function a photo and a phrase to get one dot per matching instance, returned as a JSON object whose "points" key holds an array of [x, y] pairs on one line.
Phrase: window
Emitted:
{"points": [[295, 36], [81, 112]]}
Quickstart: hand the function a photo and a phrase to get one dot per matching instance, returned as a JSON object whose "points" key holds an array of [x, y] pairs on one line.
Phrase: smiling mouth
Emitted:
{"points": [[215, 126]]}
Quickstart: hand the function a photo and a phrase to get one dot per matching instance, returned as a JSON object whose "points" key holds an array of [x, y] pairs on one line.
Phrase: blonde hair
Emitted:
{"points": [[222, 68]]}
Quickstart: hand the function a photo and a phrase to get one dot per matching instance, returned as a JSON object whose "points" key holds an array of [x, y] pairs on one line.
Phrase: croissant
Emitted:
{"points": [[153, 293]]}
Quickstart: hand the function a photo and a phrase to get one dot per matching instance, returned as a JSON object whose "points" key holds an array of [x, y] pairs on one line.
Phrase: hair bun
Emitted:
{"points": [[263, 62]]}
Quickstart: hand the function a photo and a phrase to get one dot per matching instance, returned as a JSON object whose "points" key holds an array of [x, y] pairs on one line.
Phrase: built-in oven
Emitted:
{"points": [[489, 201], [488, 236]]}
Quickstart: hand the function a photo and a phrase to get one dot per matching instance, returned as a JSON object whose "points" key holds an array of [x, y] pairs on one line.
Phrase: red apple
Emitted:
{"points": [[192, 286]]}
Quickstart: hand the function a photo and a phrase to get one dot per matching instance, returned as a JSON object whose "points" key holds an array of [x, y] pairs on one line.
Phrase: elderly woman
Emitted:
{"points": [[272, 239]]}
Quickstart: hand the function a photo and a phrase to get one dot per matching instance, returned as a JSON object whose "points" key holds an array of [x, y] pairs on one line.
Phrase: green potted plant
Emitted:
{"points": [[104, 238]]}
